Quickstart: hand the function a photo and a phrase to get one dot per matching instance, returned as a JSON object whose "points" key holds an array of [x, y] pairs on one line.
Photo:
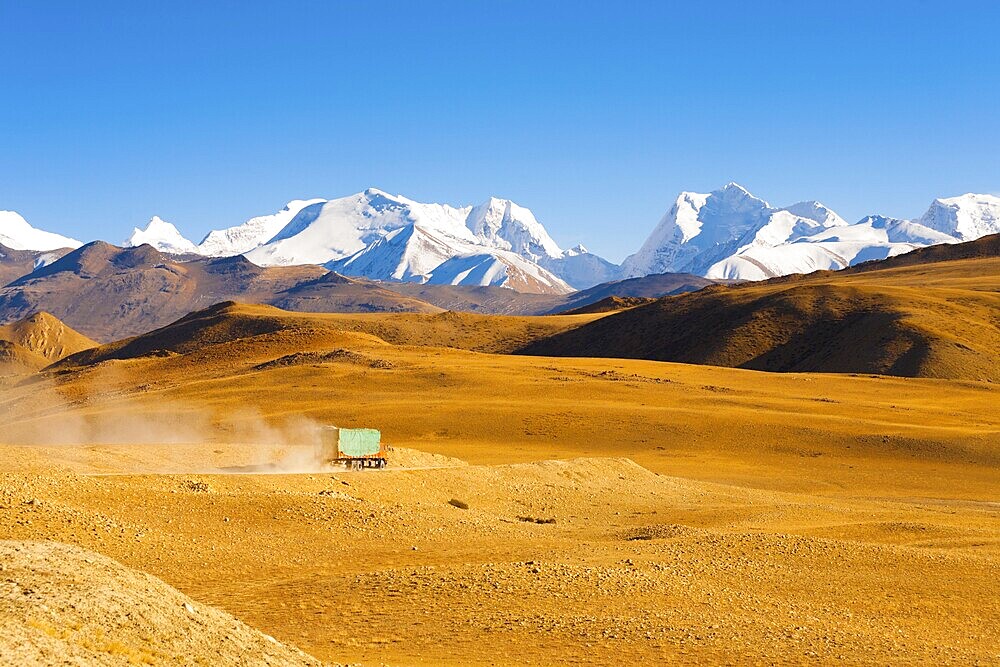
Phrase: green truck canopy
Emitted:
{"points": [[359, 441]]}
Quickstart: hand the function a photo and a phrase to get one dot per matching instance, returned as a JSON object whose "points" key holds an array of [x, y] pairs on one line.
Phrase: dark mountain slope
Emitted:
{"points": [[107, 292], [17, 263]]}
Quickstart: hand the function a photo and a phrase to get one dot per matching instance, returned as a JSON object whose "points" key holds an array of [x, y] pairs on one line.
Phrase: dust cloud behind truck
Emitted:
{"points": [[354, 448]]}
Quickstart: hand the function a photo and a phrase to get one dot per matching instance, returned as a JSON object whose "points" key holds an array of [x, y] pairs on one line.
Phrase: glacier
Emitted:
{"points": [[379, 235]]}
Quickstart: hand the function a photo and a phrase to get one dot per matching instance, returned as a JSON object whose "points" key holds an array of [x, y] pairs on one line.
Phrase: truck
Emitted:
{"points": [[354, 448]]}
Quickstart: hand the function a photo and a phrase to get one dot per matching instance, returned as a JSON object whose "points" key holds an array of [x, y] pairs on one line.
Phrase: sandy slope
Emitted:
{"points": [[17, 361], [62, 605], [29, 345]]}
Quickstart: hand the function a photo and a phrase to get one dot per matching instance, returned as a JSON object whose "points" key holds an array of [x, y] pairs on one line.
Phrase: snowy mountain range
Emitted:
{"points": [[731, 234], [725, 234], [382, 236]]}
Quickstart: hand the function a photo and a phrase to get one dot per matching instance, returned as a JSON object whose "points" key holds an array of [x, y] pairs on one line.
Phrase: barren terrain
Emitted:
{"points": [[536, 510]]}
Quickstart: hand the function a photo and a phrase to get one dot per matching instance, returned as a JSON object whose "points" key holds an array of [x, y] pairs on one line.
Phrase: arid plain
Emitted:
{"points": [[605, 510]]}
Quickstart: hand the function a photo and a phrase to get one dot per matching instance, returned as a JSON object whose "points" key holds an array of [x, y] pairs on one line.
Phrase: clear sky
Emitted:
{"points": [[594, 115]]}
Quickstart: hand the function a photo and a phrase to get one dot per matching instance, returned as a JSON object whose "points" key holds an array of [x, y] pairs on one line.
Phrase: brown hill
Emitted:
{"points": [[334, 293], [611, 304], [938, 319], [17, 263], [475, 299], [108, 292], [267, 331], [655, 286], [46, 336], [65, 605], [502, 301]]}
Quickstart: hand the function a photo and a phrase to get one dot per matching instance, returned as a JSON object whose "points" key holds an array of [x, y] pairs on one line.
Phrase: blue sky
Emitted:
{"points": [[594, 115]]}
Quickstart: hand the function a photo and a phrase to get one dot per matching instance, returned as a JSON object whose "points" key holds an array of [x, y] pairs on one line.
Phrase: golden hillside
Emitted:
{"points": [[46, 336], [268, 328], [939, 319]]}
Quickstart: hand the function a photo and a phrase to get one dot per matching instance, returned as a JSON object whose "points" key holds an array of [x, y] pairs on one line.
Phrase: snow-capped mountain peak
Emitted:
{"points": [[894, 231], [421, 254], [731, 234], [728, 233], [381, 201], [500, 223], [17, 234], [792, 223], [332, 230], [698, 230], [734, 189], [162, 235], [966, 217], [390, 237], [380, 235]]}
